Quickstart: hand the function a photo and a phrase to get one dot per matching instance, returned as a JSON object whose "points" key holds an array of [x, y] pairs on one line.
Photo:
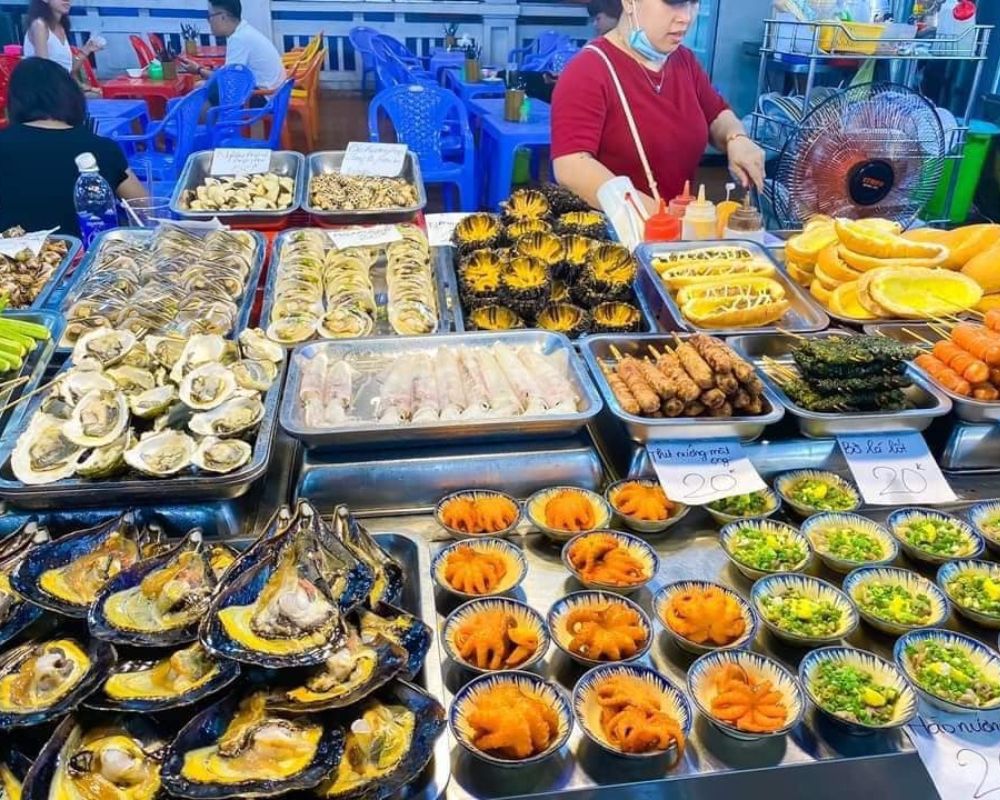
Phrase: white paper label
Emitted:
{"points": [[440, 227], [195, 226], [961, 751], [703, 470], [365, 237], [240, 161], [373, 158], [30, 241], [895, 469]]}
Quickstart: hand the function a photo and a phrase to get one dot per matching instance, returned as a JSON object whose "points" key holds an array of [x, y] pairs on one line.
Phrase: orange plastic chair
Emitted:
{"points": [[155, 42], [305, 100], [297, 55]]}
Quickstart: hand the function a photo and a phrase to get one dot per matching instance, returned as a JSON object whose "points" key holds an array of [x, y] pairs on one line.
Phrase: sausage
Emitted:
{"points": [[694, 409], [725, 410], [713, 399], [684, 388], [718, 359], [621, 392], [663, 387], [741, 400], [673, 407], [648, 400], [727, 382], [695, 366]]}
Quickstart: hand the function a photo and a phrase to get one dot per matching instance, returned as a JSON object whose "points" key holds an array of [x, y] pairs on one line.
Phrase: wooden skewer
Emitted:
{"points": [[25, 396], [616, 353], [916, 336], [794, 335]]}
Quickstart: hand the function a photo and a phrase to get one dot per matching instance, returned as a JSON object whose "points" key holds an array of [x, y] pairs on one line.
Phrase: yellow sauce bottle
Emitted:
{"points": [[700, 219]]}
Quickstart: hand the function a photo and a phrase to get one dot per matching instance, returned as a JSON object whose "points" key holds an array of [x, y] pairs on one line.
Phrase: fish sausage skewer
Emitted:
{"points": [[684, 388], [631, 372], [621, 391], [695, 366]]}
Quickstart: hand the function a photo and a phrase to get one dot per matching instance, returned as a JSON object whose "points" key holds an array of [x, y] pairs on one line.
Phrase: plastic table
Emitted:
{"points": [[470, 91], [445, 59], [155, 93], [498, 141], [213, 55]]}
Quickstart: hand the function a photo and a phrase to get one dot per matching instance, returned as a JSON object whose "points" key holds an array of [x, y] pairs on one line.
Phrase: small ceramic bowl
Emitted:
{"points": [[633, 545], [135, 72], [646, 526], [535, 506], [985, 518], [661, 602], [785, 484], [500, 550], [588, 710], [885, 674], [701, 685], [984, 569], [530, 684], [524, 615], [855, 587], [984, 659], [773, 504], [813, 590], [576, 601], [475, 494], [816, 527], [729, 537], [973, 547]]}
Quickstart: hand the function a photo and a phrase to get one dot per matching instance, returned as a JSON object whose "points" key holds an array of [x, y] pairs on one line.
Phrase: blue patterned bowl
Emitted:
{"points": [[722, 518], [985, 570], [986, 662], [579, 601], [785, 484], [972, 546], [810, 591], [646, 526], [661, 601], [455, 533], [816, 530], [516, 563], [636, 547], [535, 509], [523, 614], [859, 583], [985, 518], [731, 534]]}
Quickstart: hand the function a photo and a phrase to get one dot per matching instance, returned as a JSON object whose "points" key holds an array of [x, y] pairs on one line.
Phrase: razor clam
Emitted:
{"points": [[161, 453], [240, 748], [207, 386], [40, 681], [256, 345], [401, 628], [253, 374], [107, 346], [235, 416], [66, 575], [201, 348], [106, 461], [43, 454], [388, 585], [98, 419], [159, 601], [390, 740], [16, 614], [153, 402], [221, 455], [180, 678], [93, 755]]}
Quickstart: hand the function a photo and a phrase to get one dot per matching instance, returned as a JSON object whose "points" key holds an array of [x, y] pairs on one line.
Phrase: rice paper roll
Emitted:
{"points": [[502, 400], [476, 395], [449, 382], [426, 406]]}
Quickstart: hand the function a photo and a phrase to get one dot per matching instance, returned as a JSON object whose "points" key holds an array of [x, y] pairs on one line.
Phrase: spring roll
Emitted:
{"points": [[549, 373], [449, 382], [477, 399], [502, 400], [525, 387], [426, 407], [395, 403]]}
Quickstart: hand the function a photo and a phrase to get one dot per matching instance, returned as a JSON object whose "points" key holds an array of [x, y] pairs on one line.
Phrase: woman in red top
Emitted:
{"points": [[675, 109]]}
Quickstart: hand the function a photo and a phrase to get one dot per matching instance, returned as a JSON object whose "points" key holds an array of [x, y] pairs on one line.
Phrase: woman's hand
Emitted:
{"points": [[746, 162], [92, 46]]}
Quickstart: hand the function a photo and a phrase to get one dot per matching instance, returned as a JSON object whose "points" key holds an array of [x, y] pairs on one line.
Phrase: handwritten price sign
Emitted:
{"points": [[240, 161], [440, 227], [703, 470], [961, 752], [373, 158], [895, 469], [365, 237]]}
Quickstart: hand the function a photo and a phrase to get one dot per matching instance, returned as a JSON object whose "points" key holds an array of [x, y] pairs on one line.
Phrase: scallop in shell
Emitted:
{"points": [[159, 454], [236, 415], [98, 419], [221, 455], [207, 386]]}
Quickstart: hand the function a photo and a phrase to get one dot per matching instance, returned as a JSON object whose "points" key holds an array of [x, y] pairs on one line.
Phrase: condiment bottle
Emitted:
{"points": [[745, 223], [699, 219], [662, 226], [725, 210], [680, 203], [155, 70]]}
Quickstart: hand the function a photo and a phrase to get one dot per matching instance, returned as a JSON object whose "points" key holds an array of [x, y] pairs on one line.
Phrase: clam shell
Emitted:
{"points": [[524, 614], [813, 589], [556, 620], [636, 547], [914, 583], [954, 569], [517, 565], [661, 601], [813, 529], [987, 661]]}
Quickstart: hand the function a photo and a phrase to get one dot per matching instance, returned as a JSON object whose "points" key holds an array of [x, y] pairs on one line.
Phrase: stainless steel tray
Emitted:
{"points": [[325, 162], [35, 363], [77, 492], [445, 260], [803, 315], [371, 355], [928, 401], [55, 280], [597, 350], [141, 236], [966, 408], [283, 162], [382, 326]]}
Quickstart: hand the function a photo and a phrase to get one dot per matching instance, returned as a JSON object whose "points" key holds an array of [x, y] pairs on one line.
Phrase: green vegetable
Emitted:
{"points": [[770, 550], [822, 495], [795, 612], [744, 505], [976, 591], [946, 671], [894, 603], [852, 694], [991, 526], [935, 535], [850, 544], [31, 330]]}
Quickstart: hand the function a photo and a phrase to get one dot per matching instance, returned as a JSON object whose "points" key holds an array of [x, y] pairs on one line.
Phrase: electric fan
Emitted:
{"points": [[871, 150]]}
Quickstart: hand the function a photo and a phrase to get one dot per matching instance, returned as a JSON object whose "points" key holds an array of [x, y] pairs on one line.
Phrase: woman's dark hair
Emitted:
{"points": [[39, 9], [41, 89], [232, 7], [610, 8]]}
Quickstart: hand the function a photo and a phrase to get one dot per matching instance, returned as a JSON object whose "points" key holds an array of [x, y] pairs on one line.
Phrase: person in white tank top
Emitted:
{"points": [[48, 34]]}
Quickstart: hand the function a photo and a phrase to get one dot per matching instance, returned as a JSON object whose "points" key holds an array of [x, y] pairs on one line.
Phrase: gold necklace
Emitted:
{"points": [[657, 88]]}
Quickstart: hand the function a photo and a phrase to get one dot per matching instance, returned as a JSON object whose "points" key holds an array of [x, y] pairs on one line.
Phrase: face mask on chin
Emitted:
{"points": [[640, 44]]}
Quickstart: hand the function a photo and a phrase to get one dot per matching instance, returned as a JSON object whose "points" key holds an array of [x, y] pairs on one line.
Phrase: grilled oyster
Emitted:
{"points": [[607, 277], [43, 454], [388, 572], [153, 402], [616, 318], [544, 247], [255, 375], [98, 419], [255, 344], [162, 453], [390, 740], [563, 318], [240, 748], [108, 347], [15, 613], [399, 628], [525, 285], [158, 601], [40, 681], [477, 232], [525, 204], [207, 386], [591, 224], [180, 678], [106, 461], [235, 416], [221, 455], [494, 318]]}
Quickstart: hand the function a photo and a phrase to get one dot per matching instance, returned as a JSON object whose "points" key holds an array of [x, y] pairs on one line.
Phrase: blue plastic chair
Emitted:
{"points": [[418, 114], [533, 57], [226, 132], [401, 52], [560, 58], [234, 84], [391, 70], [165, 164], [361, 38]]}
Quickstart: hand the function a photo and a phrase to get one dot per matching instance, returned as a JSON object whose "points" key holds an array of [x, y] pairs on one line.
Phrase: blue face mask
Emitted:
{"points": [[639, 42]]}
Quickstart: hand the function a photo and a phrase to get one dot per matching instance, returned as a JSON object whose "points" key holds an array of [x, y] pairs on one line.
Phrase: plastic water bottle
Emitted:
{"points": [[94, 200]]}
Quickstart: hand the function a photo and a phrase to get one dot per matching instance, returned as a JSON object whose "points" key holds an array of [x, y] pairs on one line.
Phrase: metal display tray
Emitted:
{"points": [[58, 275], [325, 162], [597, 350], [371, 355], [382, 326], [966, 408], [928, 401], [803, 315], [35, 363], [141, 236], [196, 169], [81, 493], [445, 261]]}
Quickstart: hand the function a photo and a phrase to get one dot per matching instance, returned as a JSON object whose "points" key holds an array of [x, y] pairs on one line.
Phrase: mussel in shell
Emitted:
{"points": [[240, 748], [16, 614], [40, 681], [494, 318], [616, 317], [390, 740], [388, 572], [401, 628], [14, 768], [159, 601], [180, 678], [563, 318]]}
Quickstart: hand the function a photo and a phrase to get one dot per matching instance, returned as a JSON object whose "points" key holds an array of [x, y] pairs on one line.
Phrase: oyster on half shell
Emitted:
{"points": [[43, 454], [253, 374], [98, 419], [221, 455], [107, 346], [163, 453], [107, 460], [256, 345], [235, 416], [207, 386]]}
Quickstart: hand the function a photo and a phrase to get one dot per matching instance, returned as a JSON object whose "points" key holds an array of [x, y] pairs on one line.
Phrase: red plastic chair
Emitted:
{"points": [[156, 42], [87, 75], [142, 50], [7, 65]]}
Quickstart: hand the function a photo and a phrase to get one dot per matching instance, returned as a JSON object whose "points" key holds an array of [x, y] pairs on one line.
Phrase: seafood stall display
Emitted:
{"points": [[28, 279], [264, 192], [338, 199]]}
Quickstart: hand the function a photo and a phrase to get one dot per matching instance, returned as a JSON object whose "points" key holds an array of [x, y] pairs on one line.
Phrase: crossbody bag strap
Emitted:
{"points": [[633, 129]]}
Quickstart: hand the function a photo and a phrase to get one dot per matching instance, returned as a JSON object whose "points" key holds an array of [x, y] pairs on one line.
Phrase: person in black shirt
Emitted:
{"points": [[46, 110]]}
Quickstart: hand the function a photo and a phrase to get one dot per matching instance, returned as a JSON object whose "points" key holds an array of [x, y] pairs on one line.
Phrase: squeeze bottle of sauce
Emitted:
{"points": [[746, 223], [724, 210], [662, 226], [700, 219], [680, 203]]}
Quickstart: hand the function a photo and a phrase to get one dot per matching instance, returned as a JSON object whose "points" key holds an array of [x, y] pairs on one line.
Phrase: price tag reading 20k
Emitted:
{"points": [[702, 471], [895, 469]]}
